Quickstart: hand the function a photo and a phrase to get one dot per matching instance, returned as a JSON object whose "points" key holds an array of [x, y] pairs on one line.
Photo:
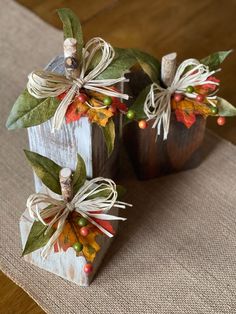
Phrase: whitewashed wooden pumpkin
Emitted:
{"points": [[77, 137], [65, 264]]}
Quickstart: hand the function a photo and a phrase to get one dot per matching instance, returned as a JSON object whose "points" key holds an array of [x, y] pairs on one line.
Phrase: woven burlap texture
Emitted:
{"points": [[177, 251]]}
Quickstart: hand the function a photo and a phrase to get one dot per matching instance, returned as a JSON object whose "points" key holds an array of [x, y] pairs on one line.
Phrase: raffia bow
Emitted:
{"points": [[42, 84], [157, 104], [86, 202]]}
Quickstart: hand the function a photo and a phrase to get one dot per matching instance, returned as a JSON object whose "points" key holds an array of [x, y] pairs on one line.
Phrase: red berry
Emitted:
{"points": [[82, 98], [178, 97], [84, 231], [200, 98], [88, 268], [221, 121], [142, 124]]}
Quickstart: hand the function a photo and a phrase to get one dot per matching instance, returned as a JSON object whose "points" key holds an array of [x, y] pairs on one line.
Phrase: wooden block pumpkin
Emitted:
{"points": [[80, 136], [165, 125], [69, 225]]}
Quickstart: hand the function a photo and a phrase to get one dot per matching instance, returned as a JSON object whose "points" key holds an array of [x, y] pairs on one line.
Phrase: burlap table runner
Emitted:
{"points": [[177, 251]]}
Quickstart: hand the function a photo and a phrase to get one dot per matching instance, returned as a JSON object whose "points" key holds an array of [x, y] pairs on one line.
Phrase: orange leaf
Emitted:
{"points": [[75, 111], [99, 116], [189, 106], [71, 235]]}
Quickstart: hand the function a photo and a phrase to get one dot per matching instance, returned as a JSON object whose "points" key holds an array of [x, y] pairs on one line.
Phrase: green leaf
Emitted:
{"points": [[137, 106], [215, 59], [28, 111], [72, 27], [79, 175], [109, 135], [225, 108], [126, 59], [46, 169], [37, 237], [121, 64], [150, 65], [120, 190]]}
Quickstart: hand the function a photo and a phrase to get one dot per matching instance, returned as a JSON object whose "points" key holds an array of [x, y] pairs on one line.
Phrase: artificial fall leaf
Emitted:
{"points": [[191, 106], [182, 105], [70, 235], [95, 95], [117, 104], [105, 224], [62, 96], [75, 111], [188, 119], [99, 116], [208, 88], [203, 109], [186, 111]]}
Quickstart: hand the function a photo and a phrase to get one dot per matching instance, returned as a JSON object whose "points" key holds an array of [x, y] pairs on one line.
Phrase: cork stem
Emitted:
{"points": [[168, 68], [70, 58], [66, 183]]}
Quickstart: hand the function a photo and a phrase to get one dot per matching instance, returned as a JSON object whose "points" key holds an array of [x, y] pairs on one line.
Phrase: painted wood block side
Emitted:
{"points": [[65, 264], [63, 145]]}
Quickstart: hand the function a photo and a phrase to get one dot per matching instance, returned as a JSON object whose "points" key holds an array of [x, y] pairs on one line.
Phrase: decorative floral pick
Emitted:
{"points": [[192, 91], [44, 84], [157, 104], [82, 208]]}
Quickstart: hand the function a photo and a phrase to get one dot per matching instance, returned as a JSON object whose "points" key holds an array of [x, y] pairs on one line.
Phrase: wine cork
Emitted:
{"points": [[168, 68], [66, 183], [70, 57]]}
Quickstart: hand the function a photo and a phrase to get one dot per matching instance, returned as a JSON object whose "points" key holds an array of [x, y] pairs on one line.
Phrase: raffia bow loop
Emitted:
{"points": [[157, 104], [43, 84], [88, 202]]}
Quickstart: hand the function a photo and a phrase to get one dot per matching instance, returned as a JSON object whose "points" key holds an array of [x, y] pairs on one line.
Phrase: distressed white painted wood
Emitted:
{"points": [[65, 264], [63, 145]]}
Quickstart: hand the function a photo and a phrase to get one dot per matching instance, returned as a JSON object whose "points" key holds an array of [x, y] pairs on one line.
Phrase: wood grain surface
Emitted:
{"points": [[152, 157], [191, 28]]}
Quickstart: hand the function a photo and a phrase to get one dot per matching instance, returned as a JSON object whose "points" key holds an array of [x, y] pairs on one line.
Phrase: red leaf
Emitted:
{"points": [[105, 224], [211, 87], [61, 96], [118, 104], [188, 119], [72, 113]]}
